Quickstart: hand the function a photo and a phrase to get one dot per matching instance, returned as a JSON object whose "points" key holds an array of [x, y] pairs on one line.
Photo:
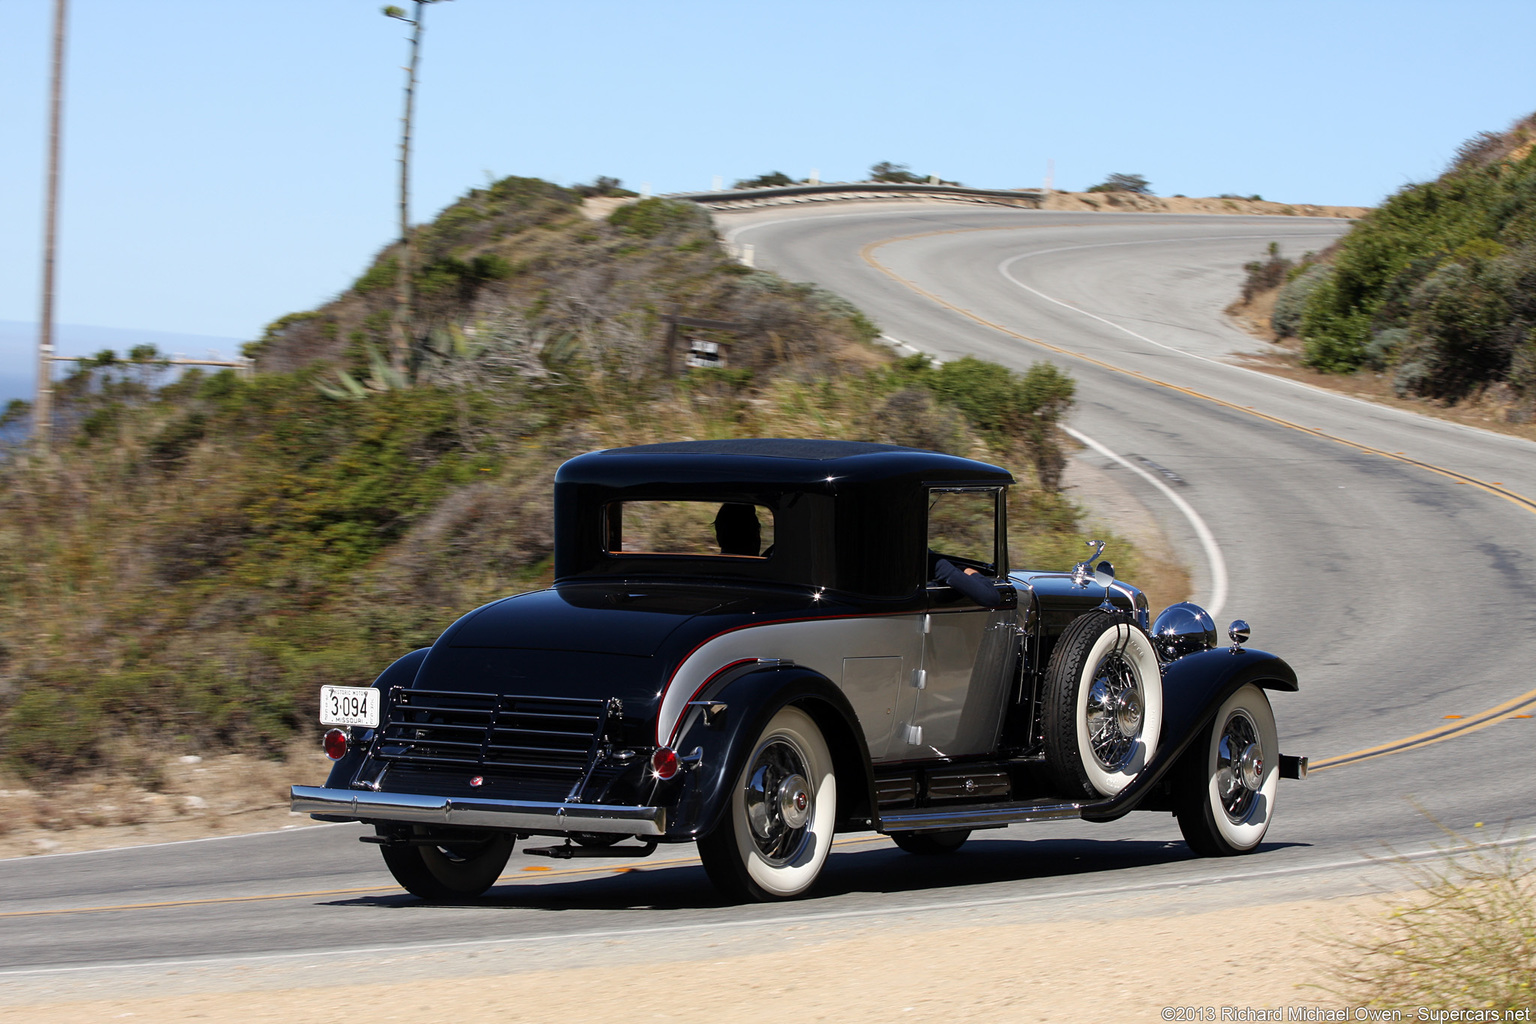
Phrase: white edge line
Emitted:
{"points": [[1361, 858], [28, 858], [1005, 268], [1213, 556]]}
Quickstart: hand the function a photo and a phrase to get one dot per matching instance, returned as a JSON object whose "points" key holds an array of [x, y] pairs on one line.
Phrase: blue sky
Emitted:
{"points": [[228, 162]]}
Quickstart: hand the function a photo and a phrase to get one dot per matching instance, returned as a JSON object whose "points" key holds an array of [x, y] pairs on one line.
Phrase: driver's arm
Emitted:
{"points": [[969, 582]]}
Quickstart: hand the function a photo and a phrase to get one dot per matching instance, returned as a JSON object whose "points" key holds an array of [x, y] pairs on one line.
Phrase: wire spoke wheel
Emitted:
{"points": [[1103, 705], [1115, 702]]}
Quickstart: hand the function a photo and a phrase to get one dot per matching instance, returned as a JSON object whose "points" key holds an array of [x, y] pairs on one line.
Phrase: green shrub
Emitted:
{"points": [[1291, 302], [1449, 261], [650, 218], [381, 275], [768, 180]]}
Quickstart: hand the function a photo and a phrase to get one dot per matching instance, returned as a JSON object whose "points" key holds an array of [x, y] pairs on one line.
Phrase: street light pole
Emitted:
{"points": [[400, 333], [42, 408]]}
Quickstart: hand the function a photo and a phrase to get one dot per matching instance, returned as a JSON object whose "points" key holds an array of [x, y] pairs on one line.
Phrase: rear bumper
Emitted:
{"points": [[509, 815]]}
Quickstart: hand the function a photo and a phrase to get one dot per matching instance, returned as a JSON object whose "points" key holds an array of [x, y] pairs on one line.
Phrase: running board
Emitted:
{"points": [[930, 819]]}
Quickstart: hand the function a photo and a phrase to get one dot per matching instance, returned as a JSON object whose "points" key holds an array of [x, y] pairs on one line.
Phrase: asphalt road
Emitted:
{"points": [[1370, 547]]}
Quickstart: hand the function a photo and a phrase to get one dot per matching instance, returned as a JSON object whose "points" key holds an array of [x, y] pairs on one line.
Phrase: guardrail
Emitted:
{"points": [[777, 195]]}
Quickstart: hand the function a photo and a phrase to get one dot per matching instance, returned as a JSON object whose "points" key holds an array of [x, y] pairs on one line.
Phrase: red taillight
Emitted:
{"points": [[664, 763], [336, 744]]}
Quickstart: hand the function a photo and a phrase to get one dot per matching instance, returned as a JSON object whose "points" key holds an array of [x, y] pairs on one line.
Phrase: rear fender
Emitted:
{"points": [[723, 741], [402, 672], [1194, 686]]}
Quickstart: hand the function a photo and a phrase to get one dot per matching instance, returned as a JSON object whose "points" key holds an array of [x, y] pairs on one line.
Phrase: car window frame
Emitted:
{"points": [[997, 569]]}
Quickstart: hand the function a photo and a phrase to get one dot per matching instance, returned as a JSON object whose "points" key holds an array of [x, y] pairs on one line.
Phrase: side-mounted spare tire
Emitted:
{"points": [[1102, 710]]}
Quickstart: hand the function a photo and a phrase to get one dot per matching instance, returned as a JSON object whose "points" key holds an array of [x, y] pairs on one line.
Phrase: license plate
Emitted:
{"points": [[349, 705]]}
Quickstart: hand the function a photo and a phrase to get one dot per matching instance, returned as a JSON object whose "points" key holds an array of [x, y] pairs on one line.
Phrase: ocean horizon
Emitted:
{"points": [[18, 349]]}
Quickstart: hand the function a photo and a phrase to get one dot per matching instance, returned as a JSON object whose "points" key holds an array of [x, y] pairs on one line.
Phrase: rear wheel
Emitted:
{"points": [[1103, 705], [1229, 778], [777, 828], [929, 843], [459, 868]]}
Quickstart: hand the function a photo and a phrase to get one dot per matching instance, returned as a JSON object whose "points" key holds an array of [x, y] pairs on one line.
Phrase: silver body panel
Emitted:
{"points": [[509, 815], [922, 685], [968, 658], [871, 658]]}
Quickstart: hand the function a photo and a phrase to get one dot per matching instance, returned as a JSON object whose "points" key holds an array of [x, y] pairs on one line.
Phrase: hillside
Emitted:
{"points": [[194, 559], [1130, 202], [1436, 289]]}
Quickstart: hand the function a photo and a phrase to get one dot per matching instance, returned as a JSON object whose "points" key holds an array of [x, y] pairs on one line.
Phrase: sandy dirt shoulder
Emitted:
{"points": [[1125, 969], [1129, 202]]}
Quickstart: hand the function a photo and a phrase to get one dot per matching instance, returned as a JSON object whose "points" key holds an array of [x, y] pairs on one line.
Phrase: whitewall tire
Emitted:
{"points": [[1229, 777], [776, 833], [1103, 705]]}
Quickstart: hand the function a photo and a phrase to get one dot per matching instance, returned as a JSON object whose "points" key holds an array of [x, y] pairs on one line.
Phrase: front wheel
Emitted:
{"points": [[776, 832], [1226, 796], [459, 868]]}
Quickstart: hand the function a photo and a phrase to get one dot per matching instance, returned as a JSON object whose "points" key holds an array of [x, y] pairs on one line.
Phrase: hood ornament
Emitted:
{"points": [[1085, 572]]}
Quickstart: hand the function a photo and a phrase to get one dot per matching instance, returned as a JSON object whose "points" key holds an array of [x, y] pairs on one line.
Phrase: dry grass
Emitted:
{"points": [[1464, 939]]}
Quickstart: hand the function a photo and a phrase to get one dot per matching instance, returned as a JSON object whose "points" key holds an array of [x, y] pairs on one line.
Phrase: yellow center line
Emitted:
{"points": [[506, 876], [1471, 723]]}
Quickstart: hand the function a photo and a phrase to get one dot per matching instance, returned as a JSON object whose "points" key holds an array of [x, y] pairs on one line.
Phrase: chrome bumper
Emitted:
{"points": [[511, 815]]}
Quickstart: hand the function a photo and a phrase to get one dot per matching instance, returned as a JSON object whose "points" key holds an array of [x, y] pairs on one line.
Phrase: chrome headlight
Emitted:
{"points": [[1183, 628]]}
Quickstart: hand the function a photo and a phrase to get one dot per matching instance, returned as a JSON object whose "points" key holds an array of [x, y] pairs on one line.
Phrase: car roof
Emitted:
{"points": [[801, 462]]}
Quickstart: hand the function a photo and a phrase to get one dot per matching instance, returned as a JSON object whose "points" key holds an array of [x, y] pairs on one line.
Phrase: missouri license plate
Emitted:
{"points": [[349, 705]]}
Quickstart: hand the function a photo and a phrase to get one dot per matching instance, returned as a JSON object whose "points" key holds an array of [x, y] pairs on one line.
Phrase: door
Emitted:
{"points": [[969, 650]]}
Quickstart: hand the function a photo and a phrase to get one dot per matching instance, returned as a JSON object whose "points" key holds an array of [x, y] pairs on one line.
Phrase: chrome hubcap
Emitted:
{"points": [[1115, 712], [794, 801], [1239, 767], [779, 801]]}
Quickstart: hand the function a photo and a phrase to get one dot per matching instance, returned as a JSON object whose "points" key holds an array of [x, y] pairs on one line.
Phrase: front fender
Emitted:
{"points": [[401, 672], [724, 741], [1194, 686]]}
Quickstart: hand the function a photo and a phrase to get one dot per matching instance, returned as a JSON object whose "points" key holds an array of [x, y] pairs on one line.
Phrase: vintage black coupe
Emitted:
{"points": [[755, 644]]}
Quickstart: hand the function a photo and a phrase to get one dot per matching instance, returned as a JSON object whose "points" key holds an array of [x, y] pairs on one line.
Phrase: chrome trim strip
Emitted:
{"points": [[980, 816], [483, 813]]}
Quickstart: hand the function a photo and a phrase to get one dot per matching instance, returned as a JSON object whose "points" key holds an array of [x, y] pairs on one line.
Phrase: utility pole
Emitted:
{"points": [[400, 334], [42, 408]]}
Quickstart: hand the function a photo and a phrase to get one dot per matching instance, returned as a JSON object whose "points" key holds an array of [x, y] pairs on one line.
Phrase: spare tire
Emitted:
{"points": [[1102, 709]]}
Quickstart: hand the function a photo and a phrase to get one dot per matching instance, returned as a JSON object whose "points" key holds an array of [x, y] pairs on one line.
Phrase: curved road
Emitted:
{"points": [[1388, 556]]}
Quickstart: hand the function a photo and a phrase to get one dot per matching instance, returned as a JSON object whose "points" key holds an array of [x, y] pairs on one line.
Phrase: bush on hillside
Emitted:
{"points": [[1291, 302], [1451, 262], [769, 180], [1270, 272], [230, 544], [1117, 182]]}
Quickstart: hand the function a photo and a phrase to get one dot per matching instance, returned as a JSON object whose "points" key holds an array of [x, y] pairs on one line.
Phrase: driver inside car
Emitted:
{"points": [[969, 582], [737, 530]]}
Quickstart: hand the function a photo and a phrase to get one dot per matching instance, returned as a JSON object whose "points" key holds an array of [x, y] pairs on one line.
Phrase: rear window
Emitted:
{"points": [[688, 528]]}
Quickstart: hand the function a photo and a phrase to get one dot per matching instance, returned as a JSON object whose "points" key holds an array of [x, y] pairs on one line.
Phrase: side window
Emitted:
{"points": [[695, 528], [962, 527]]}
